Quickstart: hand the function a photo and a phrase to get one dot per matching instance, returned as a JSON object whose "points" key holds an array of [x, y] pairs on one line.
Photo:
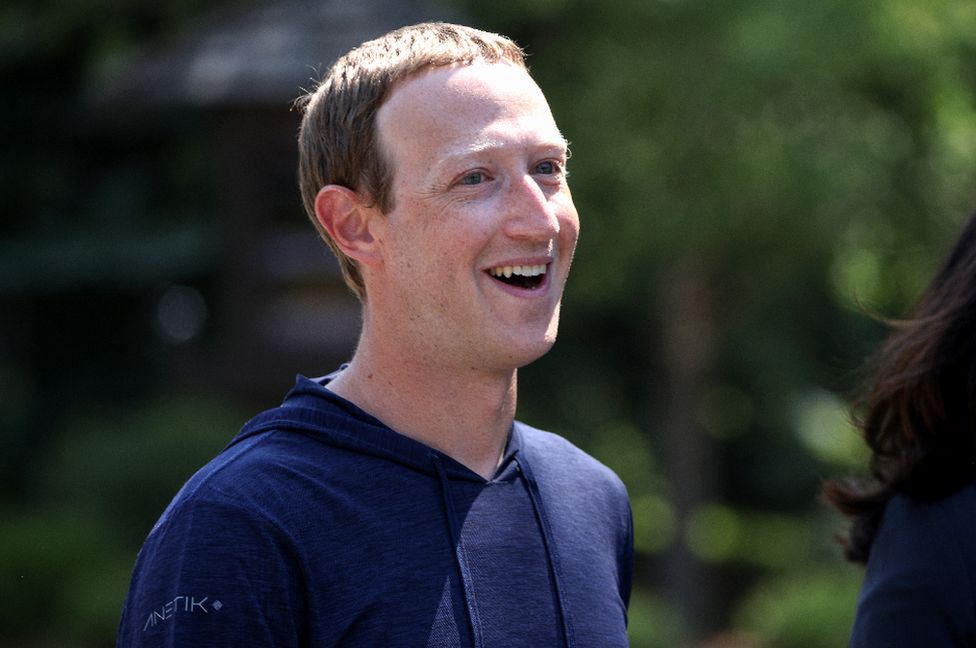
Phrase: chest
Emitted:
{"points": [[476, 570]]}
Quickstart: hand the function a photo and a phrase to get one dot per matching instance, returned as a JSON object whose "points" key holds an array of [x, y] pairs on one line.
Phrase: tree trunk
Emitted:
{"points": [[689, 454]]}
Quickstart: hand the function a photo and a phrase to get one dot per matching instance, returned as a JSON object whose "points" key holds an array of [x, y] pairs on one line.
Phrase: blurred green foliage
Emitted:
{"points": [[786, 168], [95, 492], [751, 176]]}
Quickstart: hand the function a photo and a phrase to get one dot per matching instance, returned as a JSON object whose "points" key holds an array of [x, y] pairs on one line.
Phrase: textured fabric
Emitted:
{"points": [[319, 526], [919, 589]]}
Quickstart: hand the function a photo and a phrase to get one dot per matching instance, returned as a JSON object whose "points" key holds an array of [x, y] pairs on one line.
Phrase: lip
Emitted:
{"points": [[522, 261], [517, 291]]}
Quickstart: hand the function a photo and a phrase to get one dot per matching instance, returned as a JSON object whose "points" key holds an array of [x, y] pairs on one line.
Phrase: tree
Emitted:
{"points": [[751, 177]]}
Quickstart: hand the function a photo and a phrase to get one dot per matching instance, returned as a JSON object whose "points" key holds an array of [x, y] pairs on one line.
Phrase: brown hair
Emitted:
{"points": [[919, 417], [338, 143]]}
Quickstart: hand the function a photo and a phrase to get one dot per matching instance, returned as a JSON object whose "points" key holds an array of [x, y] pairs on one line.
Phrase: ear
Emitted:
{"points": [[348, 220]]}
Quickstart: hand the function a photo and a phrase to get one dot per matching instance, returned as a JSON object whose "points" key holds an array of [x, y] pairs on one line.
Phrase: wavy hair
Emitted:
{"points": [[919, 415]]}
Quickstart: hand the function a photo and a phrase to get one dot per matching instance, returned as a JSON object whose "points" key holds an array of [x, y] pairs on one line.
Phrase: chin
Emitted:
{"points": [[527, 347], [530, 353]]}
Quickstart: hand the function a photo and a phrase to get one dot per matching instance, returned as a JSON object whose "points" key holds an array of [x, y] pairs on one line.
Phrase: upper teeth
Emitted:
{"points": [[522, 270]]}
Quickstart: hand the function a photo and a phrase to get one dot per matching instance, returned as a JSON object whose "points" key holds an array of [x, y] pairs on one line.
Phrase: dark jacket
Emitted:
{"points": [[920, 586]]}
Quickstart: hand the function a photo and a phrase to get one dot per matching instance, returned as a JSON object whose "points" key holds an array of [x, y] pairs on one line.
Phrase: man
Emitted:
{"points": [[396, 502]]}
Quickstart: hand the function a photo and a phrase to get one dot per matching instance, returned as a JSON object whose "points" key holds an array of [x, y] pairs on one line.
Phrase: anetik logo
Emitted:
{"points": [[181, 605]]}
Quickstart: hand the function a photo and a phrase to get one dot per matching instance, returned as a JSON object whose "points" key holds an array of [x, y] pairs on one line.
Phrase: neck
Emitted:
{"points": [[465, 413]]}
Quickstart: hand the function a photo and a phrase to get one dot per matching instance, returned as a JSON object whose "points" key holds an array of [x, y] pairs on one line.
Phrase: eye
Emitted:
{"points": [[548, 167], [473, 178]]}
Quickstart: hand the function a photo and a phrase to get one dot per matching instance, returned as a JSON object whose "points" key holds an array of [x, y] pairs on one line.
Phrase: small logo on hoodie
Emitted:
{"points": [[181, 605]]}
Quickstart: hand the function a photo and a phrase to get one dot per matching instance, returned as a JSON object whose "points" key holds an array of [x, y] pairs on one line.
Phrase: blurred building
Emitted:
{"points": [[246, 295]]}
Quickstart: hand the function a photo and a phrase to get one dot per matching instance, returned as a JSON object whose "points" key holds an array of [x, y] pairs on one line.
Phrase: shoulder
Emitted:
{"points": [[556, 460], [262, 481], [921, 574], [241, 488], [257, 466], [915, 531], [557, 452]]}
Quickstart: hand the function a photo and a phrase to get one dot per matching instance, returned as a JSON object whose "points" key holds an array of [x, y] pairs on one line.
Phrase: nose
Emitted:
{"points": [[530, 214]]}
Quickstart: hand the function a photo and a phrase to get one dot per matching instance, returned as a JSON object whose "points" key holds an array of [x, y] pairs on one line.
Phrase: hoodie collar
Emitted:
{"points": [[311, 408]]}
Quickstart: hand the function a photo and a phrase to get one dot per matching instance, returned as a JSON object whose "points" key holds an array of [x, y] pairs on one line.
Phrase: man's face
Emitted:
{"points": [[478, 245]]}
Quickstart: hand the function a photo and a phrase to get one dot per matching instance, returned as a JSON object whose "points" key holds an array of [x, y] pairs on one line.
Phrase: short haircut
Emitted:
{"points": [[338, 143]]}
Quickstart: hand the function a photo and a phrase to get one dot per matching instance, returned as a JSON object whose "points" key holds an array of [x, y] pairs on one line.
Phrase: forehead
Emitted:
{"points": [[452, 111]]}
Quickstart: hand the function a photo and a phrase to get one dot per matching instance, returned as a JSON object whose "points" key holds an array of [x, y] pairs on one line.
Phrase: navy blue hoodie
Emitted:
{"points": [[320, 526]]}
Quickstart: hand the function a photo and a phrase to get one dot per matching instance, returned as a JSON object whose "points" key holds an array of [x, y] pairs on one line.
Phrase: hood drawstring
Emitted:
{"points": [[551, 552], [459, 554]]}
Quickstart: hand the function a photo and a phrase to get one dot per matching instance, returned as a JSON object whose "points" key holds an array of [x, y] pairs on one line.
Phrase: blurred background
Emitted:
{"points": [[755, 180]]}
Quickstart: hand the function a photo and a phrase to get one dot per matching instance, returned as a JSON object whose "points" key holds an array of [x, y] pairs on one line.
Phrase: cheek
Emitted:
{"points": [[465, 234], [569, 227]]}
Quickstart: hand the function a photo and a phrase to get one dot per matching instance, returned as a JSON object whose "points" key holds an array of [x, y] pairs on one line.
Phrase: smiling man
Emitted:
{"points": [[397, 501]]}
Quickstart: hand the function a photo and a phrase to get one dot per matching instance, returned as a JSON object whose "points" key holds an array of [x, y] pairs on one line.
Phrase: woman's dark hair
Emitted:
{"points": [[919, 415]]}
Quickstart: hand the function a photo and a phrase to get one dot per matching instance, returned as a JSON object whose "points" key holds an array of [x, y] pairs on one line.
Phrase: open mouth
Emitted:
{"points": [[520, 276]]}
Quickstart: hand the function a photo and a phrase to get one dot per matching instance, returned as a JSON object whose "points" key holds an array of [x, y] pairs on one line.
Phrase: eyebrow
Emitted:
{"points": [[492, 145]]}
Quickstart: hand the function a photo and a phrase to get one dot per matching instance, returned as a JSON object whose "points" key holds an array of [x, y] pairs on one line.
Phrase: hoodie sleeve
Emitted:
{"points": [[213, 573], [626, 568]]}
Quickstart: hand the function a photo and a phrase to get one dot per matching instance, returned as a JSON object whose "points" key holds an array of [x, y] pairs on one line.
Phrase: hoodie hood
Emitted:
{"points": [[344, 425]]}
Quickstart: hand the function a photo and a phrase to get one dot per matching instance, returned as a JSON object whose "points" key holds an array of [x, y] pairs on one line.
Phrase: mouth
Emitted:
{"points": [[528, 277]]}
